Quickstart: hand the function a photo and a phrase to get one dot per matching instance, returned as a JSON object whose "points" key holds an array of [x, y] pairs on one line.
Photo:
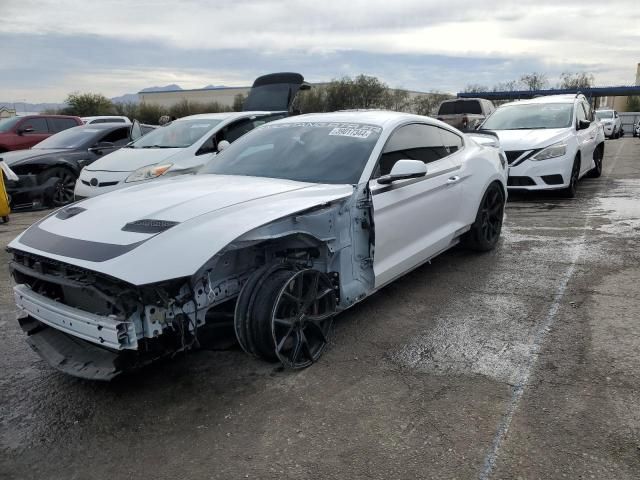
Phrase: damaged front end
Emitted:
{"points": [[92, 326]]}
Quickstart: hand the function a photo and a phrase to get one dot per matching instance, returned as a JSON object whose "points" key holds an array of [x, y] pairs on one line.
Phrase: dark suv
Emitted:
{"points": [[465, 113], [19, 133]]}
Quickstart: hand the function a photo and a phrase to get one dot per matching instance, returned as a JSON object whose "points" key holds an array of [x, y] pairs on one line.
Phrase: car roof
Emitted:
{"points": [[570, 98], [102, 126], [382, 118], [95, 117], [222, 115]]}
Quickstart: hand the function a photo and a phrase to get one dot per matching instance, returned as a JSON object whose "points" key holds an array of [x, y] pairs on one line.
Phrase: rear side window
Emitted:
{"points": [[452, 142], [412, 142], [39, 125], [447, 108], [60, 124]]}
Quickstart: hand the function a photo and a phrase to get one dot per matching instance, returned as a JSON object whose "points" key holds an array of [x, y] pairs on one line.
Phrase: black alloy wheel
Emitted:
{"points": [[63, 191], [301, 318], [485, 231]]}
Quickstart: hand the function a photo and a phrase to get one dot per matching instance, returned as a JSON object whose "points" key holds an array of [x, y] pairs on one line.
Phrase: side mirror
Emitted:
{"points": [[583, 124], [25, 129], [222, 145], [100, 146], [404, 169]]}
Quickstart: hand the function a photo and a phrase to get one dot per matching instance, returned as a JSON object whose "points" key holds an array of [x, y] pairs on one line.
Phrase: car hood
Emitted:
{"points": [[204, 213], [530, 139], [20, 156], [130, 159]]}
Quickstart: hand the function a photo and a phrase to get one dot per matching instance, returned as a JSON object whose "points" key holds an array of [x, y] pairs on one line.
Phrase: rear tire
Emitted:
{"points": [[485, 231]]}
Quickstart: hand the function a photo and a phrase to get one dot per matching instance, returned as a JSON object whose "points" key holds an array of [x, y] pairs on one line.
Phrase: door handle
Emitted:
{"points": [[453, 179]]}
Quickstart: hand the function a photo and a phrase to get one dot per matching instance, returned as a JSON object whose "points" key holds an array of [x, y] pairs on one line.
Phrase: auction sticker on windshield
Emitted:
{"points": [[351, 132]]}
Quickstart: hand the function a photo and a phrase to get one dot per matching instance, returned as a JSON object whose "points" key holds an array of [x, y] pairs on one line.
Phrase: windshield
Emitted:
{"points": [[530, 116], [71, 138], [604, 115], [318, 152], [177, 134], [7, 124]]}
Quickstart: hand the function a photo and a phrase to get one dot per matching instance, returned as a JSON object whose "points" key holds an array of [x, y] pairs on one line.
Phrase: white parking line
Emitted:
{"points": [[528, 366]]}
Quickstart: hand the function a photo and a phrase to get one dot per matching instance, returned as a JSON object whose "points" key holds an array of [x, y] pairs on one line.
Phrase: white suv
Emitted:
{"points": [[611, 122], [550, 142]]}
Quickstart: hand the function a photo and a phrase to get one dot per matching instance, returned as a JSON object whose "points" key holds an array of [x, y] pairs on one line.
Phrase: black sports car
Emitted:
{"points": [[47, 172]]}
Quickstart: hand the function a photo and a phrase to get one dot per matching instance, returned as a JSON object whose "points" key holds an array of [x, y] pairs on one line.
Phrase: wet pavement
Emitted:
{"points": [[522, 363]]}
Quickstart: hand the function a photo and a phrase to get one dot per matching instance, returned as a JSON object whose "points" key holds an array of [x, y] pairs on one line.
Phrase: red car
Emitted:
{"points": [[19, 133]]}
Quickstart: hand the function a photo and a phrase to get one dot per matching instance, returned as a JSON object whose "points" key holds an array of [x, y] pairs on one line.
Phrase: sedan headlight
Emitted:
{"points": [[148, 172], [552, 151]]}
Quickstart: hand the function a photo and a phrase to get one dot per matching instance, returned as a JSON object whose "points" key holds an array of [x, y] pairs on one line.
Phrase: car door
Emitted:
{"points": [[587, 137], [415, 219], [32, 131]]}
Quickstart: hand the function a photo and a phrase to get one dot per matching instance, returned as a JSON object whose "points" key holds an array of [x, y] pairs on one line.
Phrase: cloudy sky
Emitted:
{"points": [[50, 48]]}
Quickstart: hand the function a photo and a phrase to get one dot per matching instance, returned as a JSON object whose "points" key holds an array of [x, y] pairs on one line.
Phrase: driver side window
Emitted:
{"points": [[412, 142]]}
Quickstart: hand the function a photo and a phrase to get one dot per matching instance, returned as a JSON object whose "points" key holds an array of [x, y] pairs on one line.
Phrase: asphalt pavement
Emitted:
{"points": [[521, 363]]}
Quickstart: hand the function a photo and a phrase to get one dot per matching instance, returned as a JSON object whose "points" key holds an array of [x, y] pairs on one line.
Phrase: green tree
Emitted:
{"points": [[534, 81], [475, 88], [428, 103], [88, 104], [398, 100], [576, 80], [633, 103], [238, 102]]}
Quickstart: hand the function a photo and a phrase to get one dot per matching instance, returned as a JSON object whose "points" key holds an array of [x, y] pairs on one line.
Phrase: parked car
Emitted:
{"points": [[186, 144], [550, 142], [105, 119], [293, 223], [636, 129], [19, 133], [47, 172], [465, 113], [611, 122]]}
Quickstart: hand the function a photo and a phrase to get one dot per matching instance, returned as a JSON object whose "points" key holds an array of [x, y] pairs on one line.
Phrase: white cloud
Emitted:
{"points": [[597, 36]]}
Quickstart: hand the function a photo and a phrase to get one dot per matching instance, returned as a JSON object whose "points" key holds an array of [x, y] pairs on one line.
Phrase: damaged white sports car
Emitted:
{"points": [[294, 222]]}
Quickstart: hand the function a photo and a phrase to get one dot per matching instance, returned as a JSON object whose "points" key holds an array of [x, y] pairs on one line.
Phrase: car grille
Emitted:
{"points": [[514, 155], [101, 184]]}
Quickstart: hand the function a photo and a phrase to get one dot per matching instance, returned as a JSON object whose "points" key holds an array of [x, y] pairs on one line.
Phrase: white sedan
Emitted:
{"points": [[294, 222]]}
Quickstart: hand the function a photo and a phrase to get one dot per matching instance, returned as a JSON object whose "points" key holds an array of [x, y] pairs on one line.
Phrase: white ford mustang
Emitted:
{"points": [[294, 222]]}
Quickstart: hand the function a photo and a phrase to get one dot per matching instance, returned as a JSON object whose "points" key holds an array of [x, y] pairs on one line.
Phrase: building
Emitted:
{"points": [[222, 95], [6, 112]]}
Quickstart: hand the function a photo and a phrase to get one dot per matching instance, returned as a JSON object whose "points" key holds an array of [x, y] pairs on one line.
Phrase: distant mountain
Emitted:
{"points": [[22, 107], [126, 98], [166, 88]]}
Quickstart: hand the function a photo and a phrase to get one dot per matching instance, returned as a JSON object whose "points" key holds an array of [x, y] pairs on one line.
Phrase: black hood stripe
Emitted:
{"points": [[36, 237]]}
